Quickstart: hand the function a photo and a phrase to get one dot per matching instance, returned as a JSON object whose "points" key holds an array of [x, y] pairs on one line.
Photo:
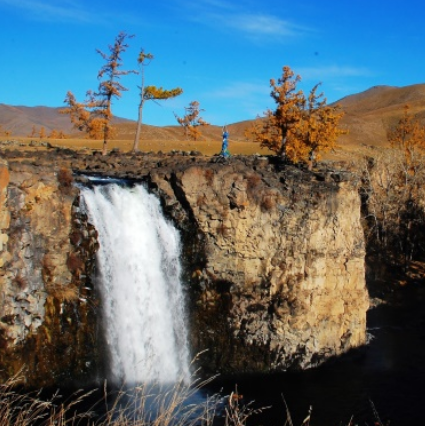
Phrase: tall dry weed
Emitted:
{"points": [[179, 404]]}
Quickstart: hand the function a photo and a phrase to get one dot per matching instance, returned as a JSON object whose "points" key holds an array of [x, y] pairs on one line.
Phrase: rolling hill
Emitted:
{"points": [[368, 115], [20, 120]]}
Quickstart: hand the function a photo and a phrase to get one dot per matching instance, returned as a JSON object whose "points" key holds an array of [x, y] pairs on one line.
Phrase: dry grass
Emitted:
{"points": [[66, 293], [253, 180], [75, 263], [268, 203], [209, 176], [206, 147], [177, 405], [25, 409], [65, 177], [368, 116], [349, 148]]}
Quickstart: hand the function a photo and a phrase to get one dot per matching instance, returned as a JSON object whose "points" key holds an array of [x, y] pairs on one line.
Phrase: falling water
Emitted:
{"points": [[141, 292]]}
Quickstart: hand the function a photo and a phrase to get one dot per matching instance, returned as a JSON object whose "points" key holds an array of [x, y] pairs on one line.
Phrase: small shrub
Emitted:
{"points": [[253, 180], [65, 293], [201, 200], [75, 263], [65, 178], [237, 413], [75, 238], [19, 281], [268, 203], [209, 176]]}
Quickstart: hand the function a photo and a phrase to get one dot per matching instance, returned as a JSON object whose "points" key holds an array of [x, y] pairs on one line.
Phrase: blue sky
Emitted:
{"points": [[222, 53]]}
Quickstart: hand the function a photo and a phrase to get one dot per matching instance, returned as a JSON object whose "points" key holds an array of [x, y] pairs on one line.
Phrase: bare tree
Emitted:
{"points": [[149, 93], [94, 115], [192, 121]]}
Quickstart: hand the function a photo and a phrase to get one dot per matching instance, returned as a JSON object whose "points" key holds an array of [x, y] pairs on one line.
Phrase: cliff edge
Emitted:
{"points": [[273, 260]]}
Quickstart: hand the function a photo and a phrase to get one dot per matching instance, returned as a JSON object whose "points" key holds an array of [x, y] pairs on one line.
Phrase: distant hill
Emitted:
{"points": [[368, 115], [20, 120]]}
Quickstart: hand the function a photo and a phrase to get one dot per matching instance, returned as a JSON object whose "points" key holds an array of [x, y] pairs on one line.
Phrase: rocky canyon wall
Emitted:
{"points": [[277, 270], [47, 327], [273, 260]]}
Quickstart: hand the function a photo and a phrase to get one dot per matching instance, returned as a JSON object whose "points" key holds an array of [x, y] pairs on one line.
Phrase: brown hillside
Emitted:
{"points": [[126, 131], [384, 98], [20, 120], [368, 115]]}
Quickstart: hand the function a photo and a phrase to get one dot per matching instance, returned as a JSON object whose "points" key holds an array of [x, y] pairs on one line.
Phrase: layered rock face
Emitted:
{"points": [[281, 282], [45, 330], [273, 260]]}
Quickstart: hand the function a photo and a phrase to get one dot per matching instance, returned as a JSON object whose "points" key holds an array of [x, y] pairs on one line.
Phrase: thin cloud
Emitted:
{"points": [[250, 99], [264, 25], [222, 4], [240, 90], [45, 10], [229, 16]]}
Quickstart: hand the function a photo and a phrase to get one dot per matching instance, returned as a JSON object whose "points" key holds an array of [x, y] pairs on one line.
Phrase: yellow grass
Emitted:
{"points": [[346, 150], [206, 147]]}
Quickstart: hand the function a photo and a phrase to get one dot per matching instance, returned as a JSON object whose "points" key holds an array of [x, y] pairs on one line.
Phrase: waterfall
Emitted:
{"points": [[139, 272]]}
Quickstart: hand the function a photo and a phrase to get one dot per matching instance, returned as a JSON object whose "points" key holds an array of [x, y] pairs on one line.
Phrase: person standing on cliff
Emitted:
{"points": [[225, 144]]}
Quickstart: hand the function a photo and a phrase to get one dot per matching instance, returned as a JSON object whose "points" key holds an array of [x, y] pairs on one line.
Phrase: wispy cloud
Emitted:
{"points": [[250, 99], [240, 90], [51, 10], [220, 4], [257, 25]]}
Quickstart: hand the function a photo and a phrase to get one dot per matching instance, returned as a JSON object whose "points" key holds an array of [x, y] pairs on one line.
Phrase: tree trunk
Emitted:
{"points": [[139, 127]]}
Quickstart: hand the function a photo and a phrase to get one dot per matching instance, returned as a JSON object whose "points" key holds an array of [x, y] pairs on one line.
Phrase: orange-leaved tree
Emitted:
{"points": [[318, 129], [191, 121], [149, 93], [33, 132], [7, 133], [42, 132], [94, 115], [299, 128], [408, 136], [83, 115], [393, 189], [276, 130]]}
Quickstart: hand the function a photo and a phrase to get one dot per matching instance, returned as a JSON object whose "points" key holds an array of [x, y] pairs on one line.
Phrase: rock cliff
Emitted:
{"points": [[46, 258], [273, 260], [277, 270]]}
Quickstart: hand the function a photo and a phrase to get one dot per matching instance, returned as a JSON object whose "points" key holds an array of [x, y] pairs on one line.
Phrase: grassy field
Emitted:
{"points": [[206, 147], [346, 150]]}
